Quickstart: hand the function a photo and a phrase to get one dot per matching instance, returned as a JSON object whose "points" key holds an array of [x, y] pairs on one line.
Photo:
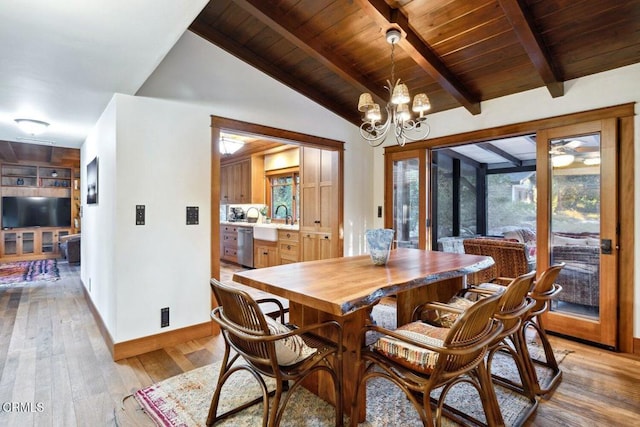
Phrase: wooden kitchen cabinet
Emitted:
{"points": [[265, 253], [319, 203], [316, 246], [288, 246], [229, 243], [242, 181]]}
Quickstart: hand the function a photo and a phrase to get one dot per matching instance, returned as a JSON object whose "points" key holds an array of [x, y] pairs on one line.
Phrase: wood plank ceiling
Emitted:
{"points": [[18, 152], [459, 52]]}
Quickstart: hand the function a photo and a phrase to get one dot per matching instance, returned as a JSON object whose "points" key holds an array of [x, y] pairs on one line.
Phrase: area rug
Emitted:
{"points": [[19, 272], [184, 401]]}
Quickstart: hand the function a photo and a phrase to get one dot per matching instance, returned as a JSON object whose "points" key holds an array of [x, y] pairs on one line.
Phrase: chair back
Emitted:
{"points": [[243, 325], [546, 288], [514, 302], [469, 337], [510, 258]]}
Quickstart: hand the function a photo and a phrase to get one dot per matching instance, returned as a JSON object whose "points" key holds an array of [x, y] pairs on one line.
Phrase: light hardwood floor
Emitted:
{"points": [[53, 357]]}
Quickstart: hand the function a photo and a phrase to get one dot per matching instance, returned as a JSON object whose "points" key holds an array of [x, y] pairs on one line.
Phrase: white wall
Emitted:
{"points": [[619, 86], [198, 72], [161, 158]]}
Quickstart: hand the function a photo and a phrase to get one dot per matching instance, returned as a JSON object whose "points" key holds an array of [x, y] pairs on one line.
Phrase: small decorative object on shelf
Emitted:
{"points": [[379, 241], [20, 181]]}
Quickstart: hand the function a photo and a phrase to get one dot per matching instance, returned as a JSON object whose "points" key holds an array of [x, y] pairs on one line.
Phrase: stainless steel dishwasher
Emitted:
{"points": [[245, 246]]}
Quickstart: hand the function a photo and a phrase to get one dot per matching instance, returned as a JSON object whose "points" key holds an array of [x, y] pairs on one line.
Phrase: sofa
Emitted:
{"points": [[580, 278], [70, 248]]}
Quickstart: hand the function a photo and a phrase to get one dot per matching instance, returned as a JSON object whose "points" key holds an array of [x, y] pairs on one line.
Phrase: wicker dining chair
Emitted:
{"points": [[272, 349], [419, 358], [513, 308], [510, 260], [545, 289]]}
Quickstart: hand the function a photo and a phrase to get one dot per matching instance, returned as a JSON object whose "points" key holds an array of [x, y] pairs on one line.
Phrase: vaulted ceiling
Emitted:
{"points": [[459, 52]]}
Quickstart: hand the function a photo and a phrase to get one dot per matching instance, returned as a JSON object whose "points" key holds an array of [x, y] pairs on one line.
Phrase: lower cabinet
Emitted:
{"points": [[229, 243], [288, 246], [265, 253], [31, 243], [316, 246]]}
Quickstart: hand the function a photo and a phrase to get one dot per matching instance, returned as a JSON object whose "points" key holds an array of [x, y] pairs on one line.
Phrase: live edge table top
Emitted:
{"points": [[341, 285]]}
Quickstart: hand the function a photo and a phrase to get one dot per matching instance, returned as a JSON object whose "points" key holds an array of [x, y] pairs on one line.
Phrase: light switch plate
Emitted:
{"points": [[192, 215], [140, 214]]}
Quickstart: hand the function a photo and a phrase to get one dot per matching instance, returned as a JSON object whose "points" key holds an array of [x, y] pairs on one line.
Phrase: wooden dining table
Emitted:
{"points": [[345, 289]]}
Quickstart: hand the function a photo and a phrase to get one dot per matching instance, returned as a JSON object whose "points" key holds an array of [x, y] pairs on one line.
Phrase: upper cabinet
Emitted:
{"points": [[243, 181]]}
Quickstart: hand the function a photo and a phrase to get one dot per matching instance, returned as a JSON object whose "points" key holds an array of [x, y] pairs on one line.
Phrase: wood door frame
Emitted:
{"points": [[624, 114], [220, 124]]}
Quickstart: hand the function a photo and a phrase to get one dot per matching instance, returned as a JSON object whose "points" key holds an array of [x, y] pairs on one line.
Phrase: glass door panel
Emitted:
{"points": [[406, 198], [406, 209], [575, 223]]}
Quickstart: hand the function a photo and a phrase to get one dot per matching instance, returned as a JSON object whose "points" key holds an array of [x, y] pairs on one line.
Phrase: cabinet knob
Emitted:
{"points": [[326, 237], [288, 247], [288, 235]]}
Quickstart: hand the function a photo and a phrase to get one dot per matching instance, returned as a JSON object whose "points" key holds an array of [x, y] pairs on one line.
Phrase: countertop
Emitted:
{"points": [[277, 225]]}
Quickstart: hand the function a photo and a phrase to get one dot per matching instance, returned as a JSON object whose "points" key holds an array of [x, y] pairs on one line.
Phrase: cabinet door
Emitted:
{"points": [[224, 185], [28, 245], [47, 242], [244, 188], [9, 243]]}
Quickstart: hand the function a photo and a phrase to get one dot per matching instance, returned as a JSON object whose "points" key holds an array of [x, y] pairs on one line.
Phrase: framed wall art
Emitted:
{"points": [[92, 182]]}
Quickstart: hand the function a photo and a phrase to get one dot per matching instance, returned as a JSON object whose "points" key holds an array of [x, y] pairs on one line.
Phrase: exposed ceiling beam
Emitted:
{"points": [[455, 155], [421, 53], [7, 153], [301, 37], [240, 52], [522, 24], [509, 157]]}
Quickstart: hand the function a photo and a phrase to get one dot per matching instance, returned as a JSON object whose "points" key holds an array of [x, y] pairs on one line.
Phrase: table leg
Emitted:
{"points": [[352, 324]]}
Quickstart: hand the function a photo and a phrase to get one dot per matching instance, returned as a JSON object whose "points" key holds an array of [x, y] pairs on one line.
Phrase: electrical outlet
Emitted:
{"points": [[89, 284], [139, 214], [164, 317]]}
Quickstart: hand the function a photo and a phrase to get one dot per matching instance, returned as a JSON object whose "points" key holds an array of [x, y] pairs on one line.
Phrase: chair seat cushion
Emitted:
{"points": [[409, 355], [290, 350]]}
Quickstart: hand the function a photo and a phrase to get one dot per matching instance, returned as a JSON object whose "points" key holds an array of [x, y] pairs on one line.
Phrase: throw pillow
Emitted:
{"points": [[446, 319], [290, 350]]}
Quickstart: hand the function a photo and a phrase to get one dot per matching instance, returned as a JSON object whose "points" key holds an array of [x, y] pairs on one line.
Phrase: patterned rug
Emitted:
{"points": [[19, 272], [184, 401]]}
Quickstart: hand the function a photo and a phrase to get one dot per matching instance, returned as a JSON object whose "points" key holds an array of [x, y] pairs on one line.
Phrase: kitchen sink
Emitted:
{"points": [[266, 232]]}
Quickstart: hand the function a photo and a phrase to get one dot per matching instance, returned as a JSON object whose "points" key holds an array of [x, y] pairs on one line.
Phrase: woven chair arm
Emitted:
{"points": [[258, 336], [476, 290], [518, 312], [281, 310], [547, 295]]}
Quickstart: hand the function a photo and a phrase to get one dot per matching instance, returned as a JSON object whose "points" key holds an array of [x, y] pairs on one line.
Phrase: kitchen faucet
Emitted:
{"points": [[286, 213]]}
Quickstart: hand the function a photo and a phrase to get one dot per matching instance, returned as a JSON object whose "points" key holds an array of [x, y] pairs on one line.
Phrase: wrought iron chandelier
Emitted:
{"points": [[398, 116]]}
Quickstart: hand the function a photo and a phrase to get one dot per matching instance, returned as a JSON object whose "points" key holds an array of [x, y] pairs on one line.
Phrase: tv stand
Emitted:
{"points": [[31, 243]]}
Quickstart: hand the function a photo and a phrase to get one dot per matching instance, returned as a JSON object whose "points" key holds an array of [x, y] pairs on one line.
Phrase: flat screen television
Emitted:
{"points": [[36, 212]]}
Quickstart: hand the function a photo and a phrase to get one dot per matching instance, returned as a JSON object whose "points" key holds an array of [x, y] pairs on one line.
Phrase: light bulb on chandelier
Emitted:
{"points": [[398, 115]]}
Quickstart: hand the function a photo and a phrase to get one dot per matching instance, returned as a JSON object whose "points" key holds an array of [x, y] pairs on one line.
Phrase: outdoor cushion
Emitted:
{"points": [[290, 350], [409, 355]]}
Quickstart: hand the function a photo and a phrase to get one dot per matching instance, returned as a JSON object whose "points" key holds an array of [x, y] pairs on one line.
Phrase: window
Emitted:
{"points": [[284, 192]]}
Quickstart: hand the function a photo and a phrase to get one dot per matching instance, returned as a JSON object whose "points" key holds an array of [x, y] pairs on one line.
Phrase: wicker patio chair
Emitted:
{"points": [[272, 349], [544, 291], [436, 357], [510, 260]]}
